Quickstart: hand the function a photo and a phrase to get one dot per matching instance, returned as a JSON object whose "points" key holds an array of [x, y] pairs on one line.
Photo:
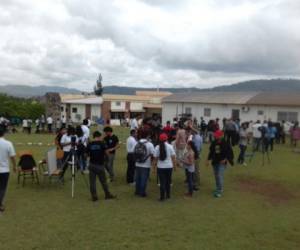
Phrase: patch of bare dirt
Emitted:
{"points": [[274, 192]]}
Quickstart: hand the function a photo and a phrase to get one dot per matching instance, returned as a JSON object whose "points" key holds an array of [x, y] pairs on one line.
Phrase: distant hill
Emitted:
{"points": [[28, 91], [274, 85], [132, 90]]}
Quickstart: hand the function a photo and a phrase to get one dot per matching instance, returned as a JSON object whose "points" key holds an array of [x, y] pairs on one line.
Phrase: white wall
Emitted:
{"points": [[114, 105], [95, 111], [136, 106], [80, 111], [171, 110]]}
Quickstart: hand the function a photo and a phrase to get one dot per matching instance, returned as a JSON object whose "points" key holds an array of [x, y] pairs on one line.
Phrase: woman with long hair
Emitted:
{"points": [[164, 162]]}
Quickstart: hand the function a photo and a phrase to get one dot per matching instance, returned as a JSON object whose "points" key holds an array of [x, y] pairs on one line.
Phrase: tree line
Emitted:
{"points": [[20, 107]]}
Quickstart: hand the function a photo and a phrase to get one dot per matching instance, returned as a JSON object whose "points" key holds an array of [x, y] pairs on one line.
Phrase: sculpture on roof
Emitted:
{"points": [[98, 89]]}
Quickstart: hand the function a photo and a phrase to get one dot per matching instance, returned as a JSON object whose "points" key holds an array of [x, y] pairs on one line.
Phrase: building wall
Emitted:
{"points": [[136, 106], [96, 112], [118, 105], [106, 110], [171, 110]]}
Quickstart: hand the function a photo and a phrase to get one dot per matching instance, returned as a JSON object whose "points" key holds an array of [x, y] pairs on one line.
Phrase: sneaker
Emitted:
{"points": [[132, 183], [2, 209], [188, 195], [110, 197], [245, 164], [195, 188], [217, 195], [94, 199]]}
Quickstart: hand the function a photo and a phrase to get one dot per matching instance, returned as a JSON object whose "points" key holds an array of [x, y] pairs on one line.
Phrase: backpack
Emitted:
{"points": [[140, 152]]}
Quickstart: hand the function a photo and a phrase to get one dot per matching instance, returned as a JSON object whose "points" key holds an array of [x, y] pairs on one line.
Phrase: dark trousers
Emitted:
{"points": [[130, 168], [241, 158], [50, 128], [65, 163], [190, 182], [3, 185], [165, 179], [231, 137], [94, 172], [141, 180]]}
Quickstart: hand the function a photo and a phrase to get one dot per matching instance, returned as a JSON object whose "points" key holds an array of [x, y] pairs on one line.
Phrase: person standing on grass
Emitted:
{"points": [[220, 153], [96, 150], [134, 124], [243, 135], [180, 141], [188, 162], [130, 145], [85, 128], [143, 152], [164, 161], [112, 144], [198, 143], [49, 123], [7, 152]]}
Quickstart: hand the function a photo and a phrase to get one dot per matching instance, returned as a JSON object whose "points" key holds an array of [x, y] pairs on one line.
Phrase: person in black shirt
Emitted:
{"points": [[220, 153], [96, 151], [112, 143]]}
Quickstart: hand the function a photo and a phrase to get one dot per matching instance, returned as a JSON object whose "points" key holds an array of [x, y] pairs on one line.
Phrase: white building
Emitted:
{"points": [[80, 108], [246, 106]]}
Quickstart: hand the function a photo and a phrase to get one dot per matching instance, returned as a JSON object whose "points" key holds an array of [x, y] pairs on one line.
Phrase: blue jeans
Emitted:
{"points": [[141, 180], [219, 170]]}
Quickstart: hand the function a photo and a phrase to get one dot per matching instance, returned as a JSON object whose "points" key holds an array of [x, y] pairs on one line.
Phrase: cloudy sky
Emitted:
{"points": [[166, 43]]}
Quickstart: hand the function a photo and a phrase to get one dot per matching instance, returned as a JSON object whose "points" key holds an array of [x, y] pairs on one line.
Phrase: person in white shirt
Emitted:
{"points": [[256, 133], [63, 121], [85, 128], [144, 151], [66, 144], [130, 145], [7, 152], [134, 124], [49, 123], [165, 161], [25, 125]]}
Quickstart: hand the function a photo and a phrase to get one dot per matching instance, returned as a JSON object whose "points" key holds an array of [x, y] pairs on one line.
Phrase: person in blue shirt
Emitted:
{"points": [[271, 134]]}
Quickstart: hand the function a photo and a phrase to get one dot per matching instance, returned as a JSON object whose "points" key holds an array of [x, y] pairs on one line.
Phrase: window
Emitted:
{"points": [[260, 112], [207, 112], [287, 116], [188, 110], [118, 103], [62, 109], [74, 110]]}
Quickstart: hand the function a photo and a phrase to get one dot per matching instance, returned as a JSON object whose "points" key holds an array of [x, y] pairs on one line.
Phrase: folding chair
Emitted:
{"points": [[49, 165], [27, 167]]}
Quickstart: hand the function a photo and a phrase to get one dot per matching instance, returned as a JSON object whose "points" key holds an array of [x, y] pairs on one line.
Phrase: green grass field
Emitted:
{"points": [[260, 209]]}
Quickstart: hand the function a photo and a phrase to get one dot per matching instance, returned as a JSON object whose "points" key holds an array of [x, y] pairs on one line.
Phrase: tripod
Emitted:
{"points": [[73, 161], [262, 145]]}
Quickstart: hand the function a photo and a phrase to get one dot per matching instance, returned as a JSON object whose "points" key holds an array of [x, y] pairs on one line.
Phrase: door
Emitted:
{"points": [[235, 114]]}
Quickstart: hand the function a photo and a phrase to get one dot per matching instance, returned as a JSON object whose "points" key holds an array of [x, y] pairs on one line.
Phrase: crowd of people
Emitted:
{"points": [[150, 145]]}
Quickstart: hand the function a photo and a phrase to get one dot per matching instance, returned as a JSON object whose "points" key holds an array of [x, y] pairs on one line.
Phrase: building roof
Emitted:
{"points": [[211, 97], [276, 99], [153, 93], [110, 97], [242, 98], [88, 100]]}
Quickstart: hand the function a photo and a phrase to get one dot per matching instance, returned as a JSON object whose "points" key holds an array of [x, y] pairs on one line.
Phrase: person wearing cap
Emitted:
{"points": [[164, 162], [220, 153], [7, 152]]}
